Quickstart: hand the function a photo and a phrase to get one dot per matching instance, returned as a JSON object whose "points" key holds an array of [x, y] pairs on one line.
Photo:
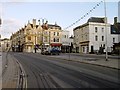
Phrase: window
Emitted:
{"points": [[54, 33], [82, 37], [56, 40], [65, 36], [57, 33], [45, 39], [102, 38], [102, 29], [29, 37], [83, 49], [96, 29], [113, 40], [86, 37], [45, 33], [96, 38], [104, 45]]}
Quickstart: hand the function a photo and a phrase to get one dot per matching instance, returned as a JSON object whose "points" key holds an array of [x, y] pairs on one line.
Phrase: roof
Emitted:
{"points": [[4, 39], [51, 25], [92, 19], [96, 19], [81, 26]]}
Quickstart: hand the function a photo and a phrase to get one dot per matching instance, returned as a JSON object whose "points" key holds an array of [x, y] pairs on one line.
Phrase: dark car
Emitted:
{"points": [[55, 51]]}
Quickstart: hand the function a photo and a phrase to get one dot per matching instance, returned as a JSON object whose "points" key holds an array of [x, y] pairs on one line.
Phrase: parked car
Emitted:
{"points": [[53, 51]]}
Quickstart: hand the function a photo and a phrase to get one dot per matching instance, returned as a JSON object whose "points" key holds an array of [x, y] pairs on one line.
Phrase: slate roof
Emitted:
{"points": [[92, 19], [96, 19], [51, 25]]}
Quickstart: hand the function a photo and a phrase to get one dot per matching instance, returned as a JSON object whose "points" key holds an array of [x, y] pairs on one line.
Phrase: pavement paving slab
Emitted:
{"points": [[111, 63], [10, 77]]}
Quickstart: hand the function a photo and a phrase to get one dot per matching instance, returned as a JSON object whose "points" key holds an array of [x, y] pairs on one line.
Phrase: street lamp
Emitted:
{"points": [[35, 42], [106, 56], [69, 50], [19, 43]]}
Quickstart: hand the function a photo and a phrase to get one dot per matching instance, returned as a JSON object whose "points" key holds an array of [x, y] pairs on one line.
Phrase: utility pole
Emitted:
{"points": [[49, 39], [35, 43], [106, 56]]}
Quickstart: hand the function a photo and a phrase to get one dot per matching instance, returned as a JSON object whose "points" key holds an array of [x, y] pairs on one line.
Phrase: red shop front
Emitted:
{"points": [[58, 45]]}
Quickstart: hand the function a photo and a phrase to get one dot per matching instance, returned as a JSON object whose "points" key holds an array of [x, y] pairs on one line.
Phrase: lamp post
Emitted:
{"points": [[69, 50], [19, 43], [35, 33], [106, 55], [35, 43]]}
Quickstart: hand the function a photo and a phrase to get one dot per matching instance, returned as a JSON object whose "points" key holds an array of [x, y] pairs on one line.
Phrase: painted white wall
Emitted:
{"points": [[99, 33], [65, 37], [89, 30]]}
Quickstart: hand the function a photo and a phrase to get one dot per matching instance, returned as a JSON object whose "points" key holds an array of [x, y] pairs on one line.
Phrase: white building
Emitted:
{"points": [[65, 38], [91, 36], [66, 41]]}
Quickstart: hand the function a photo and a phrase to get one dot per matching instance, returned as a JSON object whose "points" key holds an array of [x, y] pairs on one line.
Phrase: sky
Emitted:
{"points": [[15, 14]]}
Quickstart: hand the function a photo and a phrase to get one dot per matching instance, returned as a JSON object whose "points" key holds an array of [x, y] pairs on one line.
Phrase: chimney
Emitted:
{"points": [[115, 20], [34, 22]]}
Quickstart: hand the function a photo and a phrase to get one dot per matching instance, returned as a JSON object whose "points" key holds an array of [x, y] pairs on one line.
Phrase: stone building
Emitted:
{"points": [[34, 38]]}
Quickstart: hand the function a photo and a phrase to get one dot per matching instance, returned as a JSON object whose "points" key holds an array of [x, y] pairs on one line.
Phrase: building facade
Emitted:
{"points": [[91, 37], [35, 38], [65, 41], [115, 34]]}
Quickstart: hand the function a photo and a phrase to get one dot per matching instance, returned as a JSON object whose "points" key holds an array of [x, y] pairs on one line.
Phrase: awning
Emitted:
{"points": [[56, 44]]}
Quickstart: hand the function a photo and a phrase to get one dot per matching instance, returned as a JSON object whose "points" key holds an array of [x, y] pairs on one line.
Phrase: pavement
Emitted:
{"points": [[0, 70], [10, 73], [113, 61]]}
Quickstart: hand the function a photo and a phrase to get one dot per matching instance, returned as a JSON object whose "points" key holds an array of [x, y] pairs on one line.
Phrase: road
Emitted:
{"points": [[45, 72]]}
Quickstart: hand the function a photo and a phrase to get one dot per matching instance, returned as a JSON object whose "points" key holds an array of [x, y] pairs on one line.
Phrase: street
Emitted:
{"points": [[45, 72]]}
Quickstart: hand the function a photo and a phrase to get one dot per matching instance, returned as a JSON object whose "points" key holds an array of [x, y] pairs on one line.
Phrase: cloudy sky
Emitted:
{"points": [[16, 13]]}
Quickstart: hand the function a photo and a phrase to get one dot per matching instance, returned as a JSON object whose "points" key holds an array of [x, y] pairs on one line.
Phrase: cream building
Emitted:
{"points": [[34, 38]]}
